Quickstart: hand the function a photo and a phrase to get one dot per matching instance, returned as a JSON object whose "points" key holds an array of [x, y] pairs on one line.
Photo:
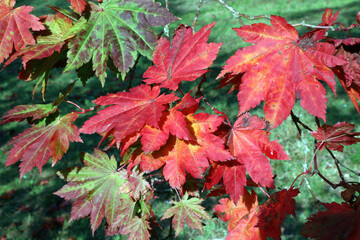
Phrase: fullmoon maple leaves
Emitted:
{"points": [[280, 65]]}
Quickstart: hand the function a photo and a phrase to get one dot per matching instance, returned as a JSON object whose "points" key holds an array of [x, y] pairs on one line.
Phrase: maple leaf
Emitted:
{"points": [[78, 5], [234, 178], [129, 113], [137, 228], [15, 25], [328, 19], [338, 221], [204, 125], [243, 217], [183, 155], [37, 144], [273, 212], [187, 211], [40, 58], [185, 59], [349, 73], [249, 142], [281, 65], [118, 29], [333, 137], [95, 188], [35, 111], [61, 28]]}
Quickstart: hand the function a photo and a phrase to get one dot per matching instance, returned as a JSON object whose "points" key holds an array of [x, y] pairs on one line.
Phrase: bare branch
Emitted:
{"points": [[166, 28], [197, 13], [238, 15]]}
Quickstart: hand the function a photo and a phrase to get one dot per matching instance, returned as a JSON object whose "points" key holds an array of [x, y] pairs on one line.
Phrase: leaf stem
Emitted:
{"points": [[307, 172], [177, 193], [264, 192], [81, 109]]}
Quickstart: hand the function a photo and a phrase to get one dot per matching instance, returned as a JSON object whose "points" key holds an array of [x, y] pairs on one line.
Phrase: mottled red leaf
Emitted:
{"points": [[37, 144], [280, 65], [15, 25], [185, 59], [338, 221], [333, 137], [96, 189], [21, 112], [137, 228], [273, 212], [61, 29], [118, 30]]}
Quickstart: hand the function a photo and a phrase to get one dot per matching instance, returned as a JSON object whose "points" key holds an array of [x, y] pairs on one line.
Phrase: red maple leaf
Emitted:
{"points": [[328, 19], [333, 137], [180, 156], [280, 65], [273, 212], [243, 217], [37, 144], [338, 221], [15, 27], [129, 112], [234, 178], [185, 59], [349, 73], [249, 142], [78, 5]]}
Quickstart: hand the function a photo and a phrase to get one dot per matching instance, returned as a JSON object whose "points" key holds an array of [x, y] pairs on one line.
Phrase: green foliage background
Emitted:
{"points": [[28, 209]]}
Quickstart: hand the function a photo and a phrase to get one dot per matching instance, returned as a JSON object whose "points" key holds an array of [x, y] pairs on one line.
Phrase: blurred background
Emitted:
{"points": [[28, 208]]}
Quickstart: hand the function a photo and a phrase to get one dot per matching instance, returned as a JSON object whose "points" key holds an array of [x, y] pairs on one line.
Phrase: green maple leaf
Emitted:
{"points": [[188, 210], [95, 188], [117, 28]]}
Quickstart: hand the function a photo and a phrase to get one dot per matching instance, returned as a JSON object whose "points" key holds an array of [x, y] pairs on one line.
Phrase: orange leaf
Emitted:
{"points": [[279, 65]]}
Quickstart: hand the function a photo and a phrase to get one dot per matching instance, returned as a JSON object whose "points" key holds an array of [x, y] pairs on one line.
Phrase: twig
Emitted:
{"points": [[312, 194], [307, 172], [303, 24], [297, 120], [197, 13], [238, 15], [340, 163], [199, 93], [166, 28]]}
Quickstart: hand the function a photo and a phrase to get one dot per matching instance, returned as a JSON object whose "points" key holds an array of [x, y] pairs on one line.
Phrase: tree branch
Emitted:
{"points": [[197, 13], [238, 15]]}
